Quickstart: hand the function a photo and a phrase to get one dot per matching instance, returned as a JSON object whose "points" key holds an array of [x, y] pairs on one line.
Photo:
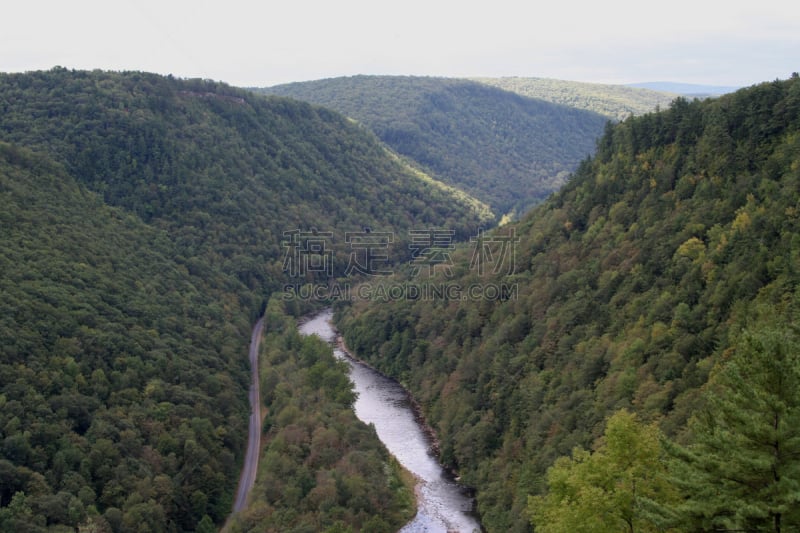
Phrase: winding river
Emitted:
{"points": [[443, 505]]}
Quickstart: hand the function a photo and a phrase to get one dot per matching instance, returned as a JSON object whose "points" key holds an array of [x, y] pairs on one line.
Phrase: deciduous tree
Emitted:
{"points": [[614, 489]]}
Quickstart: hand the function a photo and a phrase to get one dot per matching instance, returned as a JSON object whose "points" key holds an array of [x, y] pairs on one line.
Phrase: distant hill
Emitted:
{"points": [[686, 89], [616, 102], [145, 222], [505, 149]]}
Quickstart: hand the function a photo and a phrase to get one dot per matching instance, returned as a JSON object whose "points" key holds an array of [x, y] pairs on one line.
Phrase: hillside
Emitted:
{"points": [[319, 463], [631, 284], [506, 150], [223, 171], [142, 232], [692, 90], [616, 102], [110, 350]]}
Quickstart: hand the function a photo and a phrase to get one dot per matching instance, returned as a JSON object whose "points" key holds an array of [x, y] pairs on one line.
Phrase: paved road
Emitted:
{"points": [[250, 467]]}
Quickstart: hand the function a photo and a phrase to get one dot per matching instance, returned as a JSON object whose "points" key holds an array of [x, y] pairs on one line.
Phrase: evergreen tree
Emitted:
{"points": [[743, 470]]}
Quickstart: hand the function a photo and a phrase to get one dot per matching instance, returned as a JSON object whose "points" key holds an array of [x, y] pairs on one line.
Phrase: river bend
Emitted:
{"points": [[443, 505]]}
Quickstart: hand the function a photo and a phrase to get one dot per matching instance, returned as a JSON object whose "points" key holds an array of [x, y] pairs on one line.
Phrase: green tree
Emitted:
{"points": [[18, 516], [206, 525], [742, 471], [614, 489]]}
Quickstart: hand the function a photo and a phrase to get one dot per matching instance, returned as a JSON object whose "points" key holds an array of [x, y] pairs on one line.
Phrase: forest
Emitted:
{"points": [[646, 369], [142, 231], [223, 171], [504, 149], [122, 378], [321, 469]]}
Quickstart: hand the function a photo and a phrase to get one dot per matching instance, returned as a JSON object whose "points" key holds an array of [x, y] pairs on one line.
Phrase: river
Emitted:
{"points": [[443, 505]]}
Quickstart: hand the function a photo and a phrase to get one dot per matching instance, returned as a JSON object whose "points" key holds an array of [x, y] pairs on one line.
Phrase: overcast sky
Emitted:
{"points": [[263, 43]]}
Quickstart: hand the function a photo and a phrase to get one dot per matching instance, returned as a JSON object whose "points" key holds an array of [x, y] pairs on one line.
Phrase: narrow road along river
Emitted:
{"points": [[443, 505], [250, 466]]}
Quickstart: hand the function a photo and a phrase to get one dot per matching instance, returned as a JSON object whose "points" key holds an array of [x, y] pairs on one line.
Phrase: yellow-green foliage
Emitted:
{"points": [[608, 490]]}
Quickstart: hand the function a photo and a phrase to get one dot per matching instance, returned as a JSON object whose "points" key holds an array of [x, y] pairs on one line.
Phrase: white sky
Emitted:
{"points": [[244, 43]]}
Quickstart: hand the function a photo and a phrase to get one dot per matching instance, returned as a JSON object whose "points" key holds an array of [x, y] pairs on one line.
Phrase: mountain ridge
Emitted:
{"points": [[507, 150], [686, 89], [617, 102]]}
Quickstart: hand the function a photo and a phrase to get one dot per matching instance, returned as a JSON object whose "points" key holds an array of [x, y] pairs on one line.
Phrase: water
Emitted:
{"points": [[442, 504]]}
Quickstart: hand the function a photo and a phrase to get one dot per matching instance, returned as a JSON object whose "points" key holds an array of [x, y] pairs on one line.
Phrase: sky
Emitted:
{"points": [[244, 43]]}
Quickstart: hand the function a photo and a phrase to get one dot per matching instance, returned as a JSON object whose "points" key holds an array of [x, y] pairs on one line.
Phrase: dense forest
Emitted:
{"points": [[121, 374], [224, 171], [616, 102], [644, 369], [321, 468], [505, 149], [641, 364], [143, 229]]}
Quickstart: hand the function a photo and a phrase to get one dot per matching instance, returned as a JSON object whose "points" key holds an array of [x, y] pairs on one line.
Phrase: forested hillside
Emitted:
{"points": [[121, 375], [504, 149], [321, 469], [616, 102], [689, 90], [224, 171], [143, 230], [670, 256]]}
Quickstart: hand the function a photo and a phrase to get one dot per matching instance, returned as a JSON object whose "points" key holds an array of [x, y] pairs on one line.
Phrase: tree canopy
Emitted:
{"points": [[322, 469], [143, 227], [630, 283], [741, 470], [505, 149], [611, 490]]}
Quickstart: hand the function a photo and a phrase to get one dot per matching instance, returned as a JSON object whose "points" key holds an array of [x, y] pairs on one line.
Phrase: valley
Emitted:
{"points": [[142, 236], [507, 150], [643, 353], [443, 505]]}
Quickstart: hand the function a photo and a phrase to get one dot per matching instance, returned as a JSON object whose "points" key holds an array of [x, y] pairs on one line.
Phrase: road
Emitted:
{"points": [[250, 467]]}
